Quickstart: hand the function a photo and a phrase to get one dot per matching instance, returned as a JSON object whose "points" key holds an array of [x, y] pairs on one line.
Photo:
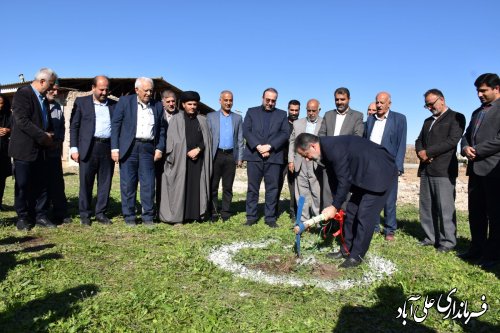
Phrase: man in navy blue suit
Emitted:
{"points": [[266, 132], [137, 141], [90, 142], [388, 128], [366, 170]]}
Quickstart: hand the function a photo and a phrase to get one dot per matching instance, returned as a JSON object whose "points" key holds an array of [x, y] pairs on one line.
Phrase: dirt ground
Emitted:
{"points": [[278, 265], [408, 191]]}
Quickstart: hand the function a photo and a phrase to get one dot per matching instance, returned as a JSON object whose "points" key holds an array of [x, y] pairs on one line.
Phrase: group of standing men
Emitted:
{"points": [[183, 156], [316, 181], [133, 133], [480, 144]]}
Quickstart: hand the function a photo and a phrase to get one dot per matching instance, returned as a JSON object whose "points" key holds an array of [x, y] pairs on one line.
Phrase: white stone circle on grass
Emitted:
{"points": [[222, 257]]}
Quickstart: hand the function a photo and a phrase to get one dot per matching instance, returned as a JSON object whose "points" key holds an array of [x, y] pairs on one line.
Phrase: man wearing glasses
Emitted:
{"points": [[436, 148], [266, 132]]}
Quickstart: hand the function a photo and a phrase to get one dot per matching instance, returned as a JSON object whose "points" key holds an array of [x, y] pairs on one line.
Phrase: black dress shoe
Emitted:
{"points": [[336, 255], [470, 255], [62, 220], [23, 224], [148, 223], [272, 224], [426, 242], [45, 223], [103, 219], [85, 221], [444, 249], [350, 263], [67, 220], [250, 223], [488, 263]]}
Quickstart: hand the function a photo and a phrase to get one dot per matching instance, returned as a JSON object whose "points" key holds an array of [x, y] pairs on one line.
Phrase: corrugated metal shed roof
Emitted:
{"points": [[118, 87]]}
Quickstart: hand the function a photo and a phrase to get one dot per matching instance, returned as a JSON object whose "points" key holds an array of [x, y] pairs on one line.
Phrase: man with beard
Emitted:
{"points": [[357, 164], [341, 121], [436, 148], [293, 114], [188, 165], [266, 131], [481, 146]]}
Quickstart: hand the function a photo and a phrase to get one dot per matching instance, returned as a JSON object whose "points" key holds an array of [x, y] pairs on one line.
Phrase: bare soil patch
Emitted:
{"points": [[276, 264]]}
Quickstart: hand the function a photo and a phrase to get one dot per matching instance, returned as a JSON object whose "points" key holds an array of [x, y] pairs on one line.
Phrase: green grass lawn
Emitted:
{"points": [[119, 279]]}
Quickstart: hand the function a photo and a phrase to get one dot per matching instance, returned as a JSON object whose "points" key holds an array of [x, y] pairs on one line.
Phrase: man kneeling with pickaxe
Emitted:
{"points": [[361, 167]]}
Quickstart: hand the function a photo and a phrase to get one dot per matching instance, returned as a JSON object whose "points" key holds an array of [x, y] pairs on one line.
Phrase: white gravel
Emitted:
{"points": [[222, 257]]}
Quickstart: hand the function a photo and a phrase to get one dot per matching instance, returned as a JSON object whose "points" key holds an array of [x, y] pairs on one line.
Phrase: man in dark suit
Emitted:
{"points": [[227, 151], [137, 140], [266, 131], [436, 148], [30, 139], [293, 115], [481, 146], [90, 142], [388, 128], [357, 165], [341, 121]]}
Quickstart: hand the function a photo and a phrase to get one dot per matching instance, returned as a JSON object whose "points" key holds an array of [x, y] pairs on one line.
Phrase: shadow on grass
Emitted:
{"points": [[13, 240], [8, 258], [463, 245], [114, 207], [239, 206], [37, 315], [412, 228], [382, 317]]}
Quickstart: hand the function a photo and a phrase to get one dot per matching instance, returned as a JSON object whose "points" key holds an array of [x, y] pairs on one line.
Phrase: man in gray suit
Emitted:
{"points": [[227, 152], [481, 146], [306, 182], [341, 121]]}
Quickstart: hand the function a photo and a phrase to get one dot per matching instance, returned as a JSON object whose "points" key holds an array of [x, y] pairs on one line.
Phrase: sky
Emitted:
{"points": [[304, 49]]}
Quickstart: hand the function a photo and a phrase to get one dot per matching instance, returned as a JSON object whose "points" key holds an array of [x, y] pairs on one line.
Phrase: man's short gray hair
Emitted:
{"points": [[168, 93], [141, 80], [223, 92], [45, 74]]}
